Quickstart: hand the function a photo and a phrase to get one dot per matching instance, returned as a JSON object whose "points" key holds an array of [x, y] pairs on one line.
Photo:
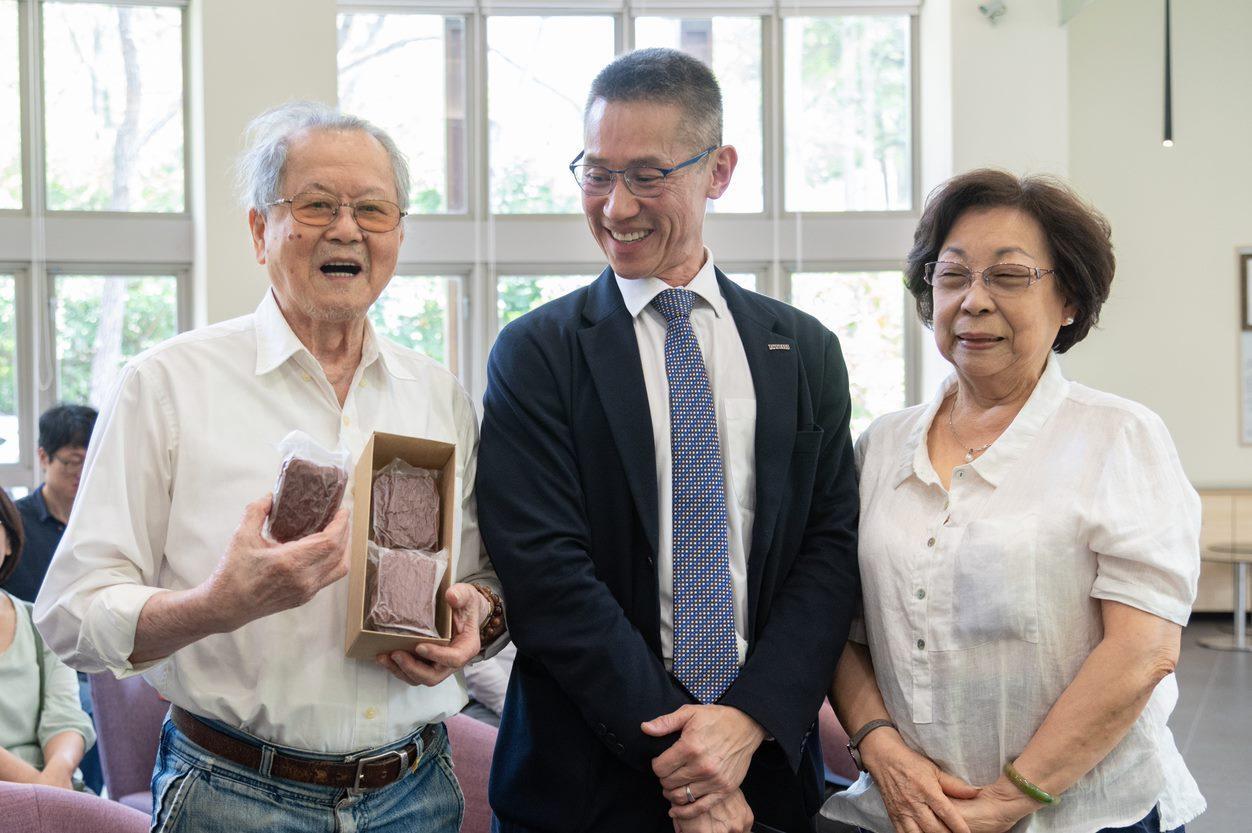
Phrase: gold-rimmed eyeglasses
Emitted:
{"points": [[1002, 279], [314, 208]]}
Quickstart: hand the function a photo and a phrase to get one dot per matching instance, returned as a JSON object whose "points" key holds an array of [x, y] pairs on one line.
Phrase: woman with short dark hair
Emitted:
{"points": [[43, 729], [1029, 551]]}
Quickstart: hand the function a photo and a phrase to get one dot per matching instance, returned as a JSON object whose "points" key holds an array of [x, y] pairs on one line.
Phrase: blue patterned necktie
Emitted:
{"points": [[705, 656]]}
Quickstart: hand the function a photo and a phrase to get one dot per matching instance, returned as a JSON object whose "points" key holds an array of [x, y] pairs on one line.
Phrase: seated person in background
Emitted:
{"points": [[43, 731], [64, 431]]}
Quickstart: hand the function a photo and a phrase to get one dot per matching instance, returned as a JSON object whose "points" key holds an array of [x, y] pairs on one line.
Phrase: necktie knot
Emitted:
{"points": [[675, 303]]}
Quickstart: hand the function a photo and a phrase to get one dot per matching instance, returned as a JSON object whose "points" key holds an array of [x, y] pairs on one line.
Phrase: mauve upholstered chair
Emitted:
{"points": [[25, 808], [128, 714], [472, 744], [839, 766]]}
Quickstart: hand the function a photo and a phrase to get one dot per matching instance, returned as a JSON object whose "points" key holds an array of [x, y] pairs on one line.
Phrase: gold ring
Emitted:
{"points": [[690, 798]]}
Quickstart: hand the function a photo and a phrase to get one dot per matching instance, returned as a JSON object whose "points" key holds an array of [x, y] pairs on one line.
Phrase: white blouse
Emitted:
{"points": [[982, 602]]}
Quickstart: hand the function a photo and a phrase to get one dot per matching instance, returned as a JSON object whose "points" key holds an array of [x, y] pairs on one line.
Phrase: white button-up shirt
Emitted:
{"points": [[981, 603], [188, 438], [734, 399]]}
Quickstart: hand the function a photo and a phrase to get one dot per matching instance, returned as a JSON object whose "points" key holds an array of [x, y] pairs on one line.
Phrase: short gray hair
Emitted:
{"points": [[268, 137], [666, 76]]}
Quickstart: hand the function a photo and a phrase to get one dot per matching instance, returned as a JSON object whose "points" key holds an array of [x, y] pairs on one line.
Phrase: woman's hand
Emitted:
{"points": [[917, 793], [997, 808], [55, 775]]}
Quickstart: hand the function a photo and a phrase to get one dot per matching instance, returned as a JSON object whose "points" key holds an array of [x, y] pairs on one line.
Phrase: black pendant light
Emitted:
{"points": [[1169, 97]]}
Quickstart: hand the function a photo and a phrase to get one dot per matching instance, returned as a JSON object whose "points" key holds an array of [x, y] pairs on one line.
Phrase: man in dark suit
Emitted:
{"points": [[669, 499]]}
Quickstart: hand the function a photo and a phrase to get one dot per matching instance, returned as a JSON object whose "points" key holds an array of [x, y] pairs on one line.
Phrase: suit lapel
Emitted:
{"points": [[611, 350], [773, 360]]}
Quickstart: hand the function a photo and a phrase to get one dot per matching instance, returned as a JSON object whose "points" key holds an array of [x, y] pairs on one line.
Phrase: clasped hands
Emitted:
{"points": [[701, 773], [922, 798]]}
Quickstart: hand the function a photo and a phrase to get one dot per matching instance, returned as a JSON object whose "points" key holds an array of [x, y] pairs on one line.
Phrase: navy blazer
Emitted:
{"points": [[567, 502]]}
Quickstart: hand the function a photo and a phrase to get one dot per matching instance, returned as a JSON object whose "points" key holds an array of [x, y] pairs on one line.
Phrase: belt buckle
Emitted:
{"points": [[401, 755]]}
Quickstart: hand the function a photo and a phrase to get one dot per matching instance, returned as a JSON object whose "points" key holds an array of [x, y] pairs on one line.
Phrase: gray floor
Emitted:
{"points": [[1212, 726]]}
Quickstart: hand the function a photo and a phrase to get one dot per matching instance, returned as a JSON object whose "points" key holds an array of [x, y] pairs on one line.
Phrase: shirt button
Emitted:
{"points": [[346, 421], [921, 594], [306, 377], [364, 384], [930, 542], [960, 474], [371, 713], [921, 644]]}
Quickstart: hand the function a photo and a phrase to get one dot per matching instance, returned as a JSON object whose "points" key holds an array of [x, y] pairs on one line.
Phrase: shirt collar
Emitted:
{"points": [[41, 505], [1050, 391], [639, 292], [276, 342]]}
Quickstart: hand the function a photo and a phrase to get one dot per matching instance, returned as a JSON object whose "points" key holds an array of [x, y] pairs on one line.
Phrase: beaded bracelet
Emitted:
{"points": [[493, 623], [1028, 788]]}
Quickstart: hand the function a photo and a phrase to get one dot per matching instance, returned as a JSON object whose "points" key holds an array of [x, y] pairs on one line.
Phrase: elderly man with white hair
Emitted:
{"points": [[272, 727]]}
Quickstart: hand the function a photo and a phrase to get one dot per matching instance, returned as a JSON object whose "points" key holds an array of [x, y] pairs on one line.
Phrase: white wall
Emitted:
{"points": [[245, 57], [992, 96], [1169, 333]]}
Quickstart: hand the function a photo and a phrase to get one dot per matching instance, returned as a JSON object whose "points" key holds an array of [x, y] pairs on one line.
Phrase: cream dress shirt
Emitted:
{"points": [[187, 439], [734, 399], [982, 602]]}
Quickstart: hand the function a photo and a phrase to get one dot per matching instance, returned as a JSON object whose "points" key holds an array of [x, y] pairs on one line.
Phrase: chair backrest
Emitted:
{"points": [[840, 769], [128, 715], [472, 743], [25, 808]]}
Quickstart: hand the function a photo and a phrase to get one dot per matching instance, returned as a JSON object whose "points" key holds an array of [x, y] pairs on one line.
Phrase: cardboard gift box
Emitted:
{"points": [[361, 642]]}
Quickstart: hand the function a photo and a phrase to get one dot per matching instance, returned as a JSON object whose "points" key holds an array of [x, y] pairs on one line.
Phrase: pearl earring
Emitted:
{"points": [[1069, 321]]}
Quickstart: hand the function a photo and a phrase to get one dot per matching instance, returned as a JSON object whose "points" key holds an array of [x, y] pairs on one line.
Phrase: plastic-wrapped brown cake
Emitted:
{"points": [[306, 498], [406, 583], [406, 507]]}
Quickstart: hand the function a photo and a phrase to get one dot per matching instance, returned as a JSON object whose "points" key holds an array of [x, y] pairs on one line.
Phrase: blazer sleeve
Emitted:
{"points": [[535, 527], [813, 607]]}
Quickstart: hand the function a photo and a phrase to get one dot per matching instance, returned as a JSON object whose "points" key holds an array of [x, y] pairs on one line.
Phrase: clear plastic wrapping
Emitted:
{"points": [[406, 507], [402, 587], [308, 490]]}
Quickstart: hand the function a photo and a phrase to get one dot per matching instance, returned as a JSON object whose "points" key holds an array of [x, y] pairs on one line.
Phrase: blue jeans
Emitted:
{"points": [[196, 792]]}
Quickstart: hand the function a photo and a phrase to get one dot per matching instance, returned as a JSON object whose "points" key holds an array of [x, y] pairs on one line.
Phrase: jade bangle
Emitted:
{"points": [[1027, 787]]}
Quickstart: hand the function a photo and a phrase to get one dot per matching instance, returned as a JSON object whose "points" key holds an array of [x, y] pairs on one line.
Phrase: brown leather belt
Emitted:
{"points": [[365, 773]]}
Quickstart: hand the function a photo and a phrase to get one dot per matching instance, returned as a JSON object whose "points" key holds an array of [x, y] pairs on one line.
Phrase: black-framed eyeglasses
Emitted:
{"points": [[641, 180], [1003, 279], [72, 465], [314, 208]]}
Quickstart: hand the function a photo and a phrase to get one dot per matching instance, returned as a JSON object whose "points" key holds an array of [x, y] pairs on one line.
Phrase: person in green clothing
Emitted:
{"points": [[43, 729]]}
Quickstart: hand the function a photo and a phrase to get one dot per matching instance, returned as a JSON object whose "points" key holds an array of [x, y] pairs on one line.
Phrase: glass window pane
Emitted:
{"points": [[103, 320], [866, 311], [517, 295], [113, 107], [732, 47], [11, 448], [414, 311], [539, 70], [380, 56], [10, 112], [745, 279], [848, 131]]}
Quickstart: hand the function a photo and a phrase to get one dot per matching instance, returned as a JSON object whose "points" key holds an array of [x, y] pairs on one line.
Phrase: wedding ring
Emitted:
{"points": [[690, 798]]}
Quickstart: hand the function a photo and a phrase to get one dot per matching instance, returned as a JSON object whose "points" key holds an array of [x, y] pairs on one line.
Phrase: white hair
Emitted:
{"points": [[260, 167]]}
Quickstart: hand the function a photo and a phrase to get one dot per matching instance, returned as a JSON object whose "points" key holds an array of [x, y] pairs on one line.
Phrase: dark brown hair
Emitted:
{"points": [[12, 522], [1078, 235]]}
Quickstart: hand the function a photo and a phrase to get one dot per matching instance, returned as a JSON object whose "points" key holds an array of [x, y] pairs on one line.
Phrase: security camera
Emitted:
{"points": [[993, 10]]}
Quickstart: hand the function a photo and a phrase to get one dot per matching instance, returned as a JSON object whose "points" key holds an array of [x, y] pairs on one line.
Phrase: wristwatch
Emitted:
{"points": [[854, 742]]}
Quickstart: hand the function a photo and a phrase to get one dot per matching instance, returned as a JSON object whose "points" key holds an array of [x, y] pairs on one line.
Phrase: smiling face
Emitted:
{"points": [[1003, 341], [335, 272], [659, 236]]}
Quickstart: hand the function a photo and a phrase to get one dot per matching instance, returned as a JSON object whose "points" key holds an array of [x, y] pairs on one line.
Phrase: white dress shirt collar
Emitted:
{"points": [[639, 292], [276, 342], [1047, 396]]}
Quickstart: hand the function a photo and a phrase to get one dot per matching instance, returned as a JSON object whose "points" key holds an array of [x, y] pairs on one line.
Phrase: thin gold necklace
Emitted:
{"points": [[970, 450]]}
